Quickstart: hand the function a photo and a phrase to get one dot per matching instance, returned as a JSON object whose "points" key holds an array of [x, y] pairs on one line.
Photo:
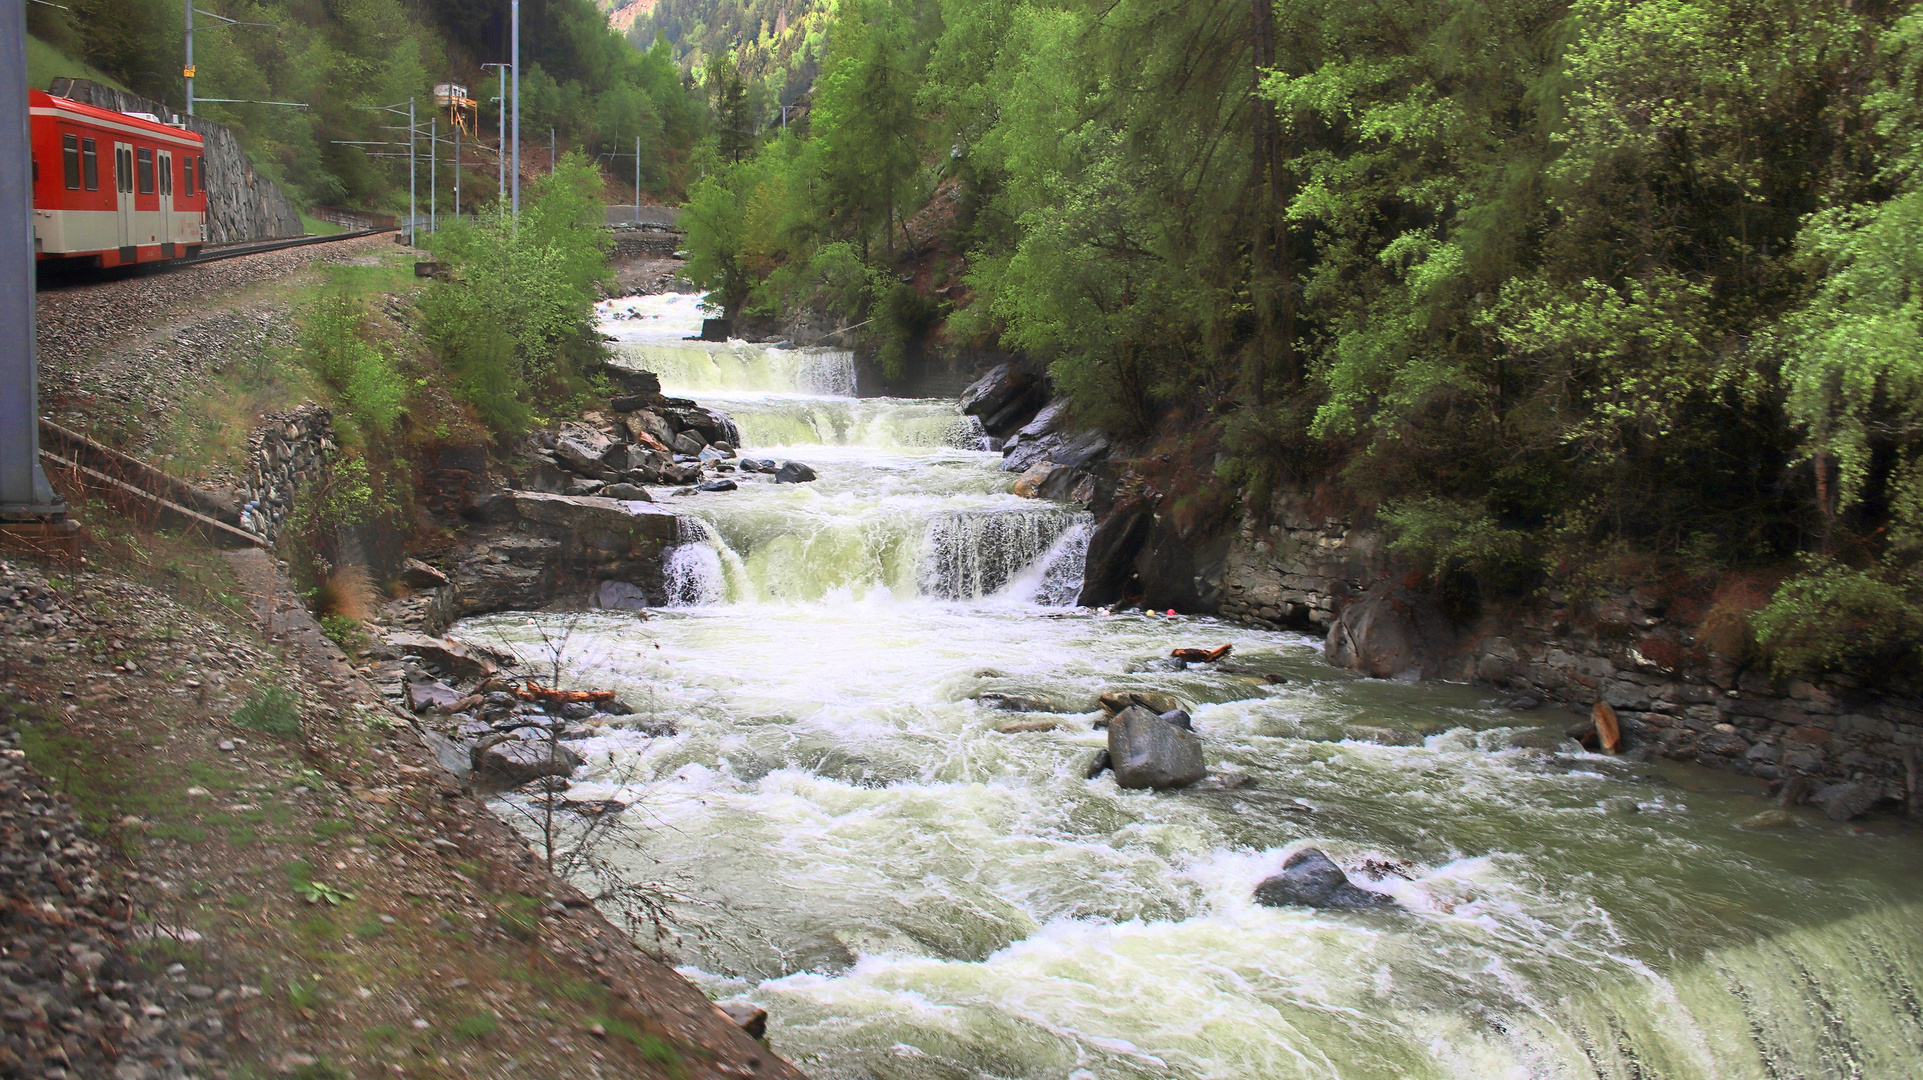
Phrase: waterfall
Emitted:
{"points": [[971, 555], [693, 368], [692, 567]]}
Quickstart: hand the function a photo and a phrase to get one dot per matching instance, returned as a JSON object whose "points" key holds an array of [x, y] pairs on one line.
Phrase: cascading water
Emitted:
{"points": [[913, 894]]}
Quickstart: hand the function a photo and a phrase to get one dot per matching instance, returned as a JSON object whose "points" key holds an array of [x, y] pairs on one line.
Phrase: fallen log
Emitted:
{"points": [[1201, 656], [537, 692]]}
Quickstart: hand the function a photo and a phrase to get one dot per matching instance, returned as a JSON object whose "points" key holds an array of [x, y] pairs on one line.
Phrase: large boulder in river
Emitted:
{"points": [[584, 514], [1392, 632], [1108, 573], [512, 762], [794, 472], [1147, 751], [1005, 398], [1310, 879]]}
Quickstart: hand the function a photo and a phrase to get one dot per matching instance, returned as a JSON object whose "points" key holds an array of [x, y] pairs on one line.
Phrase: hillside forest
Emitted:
{"points": [[1559, 291], [590, 84]]}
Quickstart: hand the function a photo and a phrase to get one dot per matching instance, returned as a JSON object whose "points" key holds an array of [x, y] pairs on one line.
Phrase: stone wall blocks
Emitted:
{"points": [[1867, 725]]}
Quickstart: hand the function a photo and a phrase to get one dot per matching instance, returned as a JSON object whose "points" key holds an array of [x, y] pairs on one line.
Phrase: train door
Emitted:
{"points": [[124, 197], [165, 163]]}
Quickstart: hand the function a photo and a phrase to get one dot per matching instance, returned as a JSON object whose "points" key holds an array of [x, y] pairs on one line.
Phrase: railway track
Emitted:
{"points": [[232, 251], [59, 279]]}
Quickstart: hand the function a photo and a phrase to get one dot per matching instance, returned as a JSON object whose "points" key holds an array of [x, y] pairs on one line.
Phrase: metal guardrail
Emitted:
{"points": [[668, 216]]}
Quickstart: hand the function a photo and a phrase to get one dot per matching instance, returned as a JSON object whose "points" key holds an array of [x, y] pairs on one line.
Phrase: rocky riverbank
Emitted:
{"points": [[1301, 562]]}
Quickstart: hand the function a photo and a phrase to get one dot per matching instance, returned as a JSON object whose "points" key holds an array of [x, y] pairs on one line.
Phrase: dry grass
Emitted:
{"points": [[348, 592]]}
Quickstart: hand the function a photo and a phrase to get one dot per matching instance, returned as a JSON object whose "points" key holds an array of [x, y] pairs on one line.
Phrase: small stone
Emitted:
{"points": [[226, 745]]}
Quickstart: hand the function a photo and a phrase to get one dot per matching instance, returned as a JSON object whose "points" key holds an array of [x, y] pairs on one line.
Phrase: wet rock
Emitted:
{"points": [[689, 443], [1099, 765], [1149, 752], [593, 513], [644, 425], [1157, 664], [416, 574], [1393, 632], [1005, 398], [1178, 718], [1769, 819], [548, 477], [1382, 736], [1841, 802], [1109, 567], [581, 451], [1029, 484], [1024, 727], [749, 1017], [628, 403], [717, 485], [1070, 451], [995, 699], [758, 465], [1517, 702], [627, 492], [1310, 879], [1547, 740], [422, 696], [793, 472], [619, 596], [451, 657], [512, 762], [584, 487], [1114, 701]]}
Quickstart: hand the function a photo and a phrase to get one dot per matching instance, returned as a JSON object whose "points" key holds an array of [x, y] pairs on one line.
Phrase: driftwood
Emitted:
{"points": [[1608, 732], [1201, 656], [537, 692]]}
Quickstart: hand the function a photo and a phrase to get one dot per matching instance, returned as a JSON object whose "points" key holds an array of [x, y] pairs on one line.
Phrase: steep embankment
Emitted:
{"points": [[288, 881]]}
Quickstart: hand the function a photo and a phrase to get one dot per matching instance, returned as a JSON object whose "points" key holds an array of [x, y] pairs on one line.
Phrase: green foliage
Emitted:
{"points": [[579, 76], [334, 346], [1442, 536], [343, 631], [272, 710], [515, 325], [1836, 617], [1552, 277]]}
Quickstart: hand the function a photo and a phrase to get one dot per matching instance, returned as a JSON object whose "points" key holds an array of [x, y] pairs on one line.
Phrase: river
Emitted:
{"points": [[912, 894]]}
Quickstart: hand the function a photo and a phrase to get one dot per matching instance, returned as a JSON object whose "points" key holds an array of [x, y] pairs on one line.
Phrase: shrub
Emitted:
{"points": [[371, 390], [271, 710], [1443, 536], [1834, 616]]}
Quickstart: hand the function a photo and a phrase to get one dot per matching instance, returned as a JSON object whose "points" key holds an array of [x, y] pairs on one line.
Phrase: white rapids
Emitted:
{"points": [[912, 894]]}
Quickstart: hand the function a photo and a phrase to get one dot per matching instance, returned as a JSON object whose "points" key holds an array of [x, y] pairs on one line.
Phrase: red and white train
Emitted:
{"points": [[112, 188]]}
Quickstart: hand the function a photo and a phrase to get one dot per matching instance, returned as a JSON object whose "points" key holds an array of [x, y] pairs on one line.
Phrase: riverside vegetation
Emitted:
{"points": [[1564, 292]]}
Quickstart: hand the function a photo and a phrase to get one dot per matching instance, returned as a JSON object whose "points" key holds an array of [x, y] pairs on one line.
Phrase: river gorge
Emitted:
{"points": [[855, 844]]}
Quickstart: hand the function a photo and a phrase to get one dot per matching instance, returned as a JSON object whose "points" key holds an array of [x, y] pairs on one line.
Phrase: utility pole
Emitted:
{"points": [[457, 168], [188, 71], [550, 151], [24, 491], [637, 181], [515, 59], [413, 172], [433, 169], [500, 119]]}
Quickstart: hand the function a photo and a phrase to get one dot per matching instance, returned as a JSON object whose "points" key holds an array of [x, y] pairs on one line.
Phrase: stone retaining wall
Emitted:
{"points": [[1300, 568], [287, 451]]}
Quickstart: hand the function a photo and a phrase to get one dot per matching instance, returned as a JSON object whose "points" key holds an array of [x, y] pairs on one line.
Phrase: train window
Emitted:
{"points": [[146, 171], [166, 175], [90, 164], [70, 155], [187, 174]]}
